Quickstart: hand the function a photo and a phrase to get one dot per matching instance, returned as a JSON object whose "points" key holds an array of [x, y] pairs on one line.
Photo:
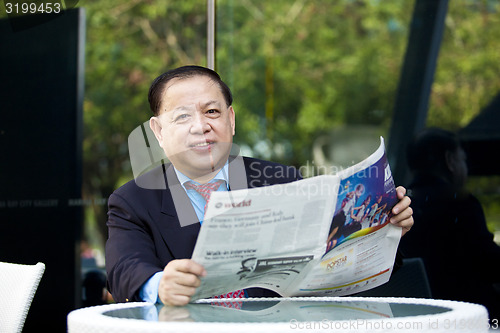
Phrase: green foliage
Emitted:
{"points": [[129, 43], [487, 190], [297, 69], [467, 80], [469, 62]]}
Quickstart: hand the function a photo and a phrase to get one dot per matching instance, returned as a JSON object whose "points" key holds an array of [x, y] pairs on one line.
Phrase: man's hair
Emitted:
{"points": [[427, 152], [158, 85]]}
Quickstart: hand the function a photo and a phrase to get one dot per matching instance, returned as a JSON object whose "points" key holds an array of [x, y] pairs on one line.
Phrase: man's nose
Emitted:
{"points": [[200, 125]]}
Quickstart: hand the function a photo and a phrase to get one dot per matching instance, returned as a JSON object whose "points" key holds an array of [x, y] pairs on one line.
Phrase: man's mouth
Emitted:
{"points": [[202, 144]]}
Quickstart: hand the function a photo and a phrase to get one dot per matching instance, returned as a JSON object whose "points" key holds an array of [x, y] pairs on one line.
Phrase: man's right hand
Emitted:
{"points": [[180, 279]]}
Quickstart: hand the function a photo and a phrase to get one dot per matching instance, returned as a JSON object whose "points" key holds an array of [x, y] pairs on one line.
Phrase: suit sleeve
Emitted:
{"points": [[130, 252]]}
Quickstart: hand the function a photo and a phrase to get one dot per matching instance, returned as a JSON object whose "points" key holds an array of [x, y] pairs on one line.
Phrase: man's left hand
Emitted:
{"points": [[403, 214]]}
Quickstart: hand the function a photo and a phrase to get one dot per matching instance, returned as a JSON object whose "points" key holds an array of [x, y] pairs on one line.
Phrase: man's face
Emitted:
{"points": [[195, 126], [458, 167]]}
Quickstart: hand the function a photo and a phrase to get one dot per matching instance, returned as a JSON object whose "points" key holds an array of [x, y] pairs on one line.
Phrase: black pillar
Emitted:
{"points": [[41, 99], [417, 75]]}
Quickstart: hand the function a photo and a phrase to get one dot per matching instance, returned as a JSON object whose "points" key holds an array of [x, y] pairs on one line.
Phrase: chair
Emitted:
{"points": [[18, 284], [410, 280]]}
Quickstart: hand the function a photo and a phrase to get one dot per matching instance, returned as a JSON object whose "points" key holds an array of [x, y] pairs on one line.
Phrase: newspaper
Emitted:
{"points": [[327, 235]]}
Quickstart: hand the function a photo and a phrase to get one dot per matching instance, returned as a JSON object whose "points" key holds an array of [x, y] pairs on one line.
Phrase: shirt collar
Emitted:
{"points": [[221, 175]]}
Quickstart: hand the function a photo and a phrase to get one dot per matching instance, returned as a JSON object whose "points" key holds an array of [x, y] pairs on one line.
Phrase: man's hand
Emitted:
{"points": [[180, 279], [173, 313], [403, 214]]}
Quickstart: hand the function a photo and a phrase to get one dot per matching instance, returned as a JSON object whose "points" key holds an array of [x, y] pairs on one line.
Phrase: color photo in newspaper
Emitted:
{"points": [[362, 244]]}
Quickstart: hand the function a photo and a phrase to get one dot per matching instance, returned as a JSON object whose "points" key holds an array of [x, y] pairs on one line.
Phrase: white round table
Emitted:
{"points": [[311, 314]]}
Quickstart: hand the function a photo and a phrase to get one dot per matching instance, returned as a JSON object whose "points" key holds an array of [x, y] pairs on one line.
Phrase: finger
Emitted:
{"points": [[173, 277], [406, 223], [406, 226], [188, 266], [187, 280], [179, 290], [404, 215], [401, 192], [171, 289], [175, 300], [173, 293], [402, 205]]}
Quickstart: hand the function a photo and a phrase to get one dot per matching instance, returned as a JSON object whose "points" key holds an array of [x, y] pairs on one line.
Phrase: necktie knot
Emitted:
{"points": [[205, 190]]}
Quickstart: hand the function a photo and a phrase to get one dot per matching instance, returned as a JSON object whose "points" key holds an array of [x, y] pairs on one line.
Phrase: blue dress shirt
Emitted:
{"points": [[149, 290]]}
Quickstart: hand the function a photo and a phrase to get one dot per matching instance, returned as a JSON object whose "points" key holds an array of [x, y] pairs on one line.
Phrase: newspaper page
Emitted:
{"points": [[362, 244], [325, 235], [264, 237]]}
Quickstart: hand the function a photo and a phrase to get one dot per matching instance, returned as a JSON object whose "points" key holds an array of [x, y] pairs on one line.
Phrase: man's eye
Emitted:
{"points": [[181, 117], [213, 112]]}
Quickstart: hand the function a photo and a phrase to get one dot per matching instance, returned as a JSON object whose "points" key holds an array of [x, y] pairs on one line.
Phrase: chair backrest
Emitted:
{"points": [[410, 280], [18, 284]]}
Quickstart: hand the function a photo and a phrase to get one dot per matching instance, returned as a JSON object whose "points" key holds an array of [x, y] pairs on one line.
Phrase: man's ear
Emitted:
{"points": [[155, 125], [232, 118]]}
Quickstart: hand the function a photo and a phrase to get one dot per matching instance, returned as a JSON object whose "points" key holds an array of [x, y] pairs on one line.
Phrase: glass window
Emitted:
{"points": [[314, 81], [129, 43], [466, 82]]}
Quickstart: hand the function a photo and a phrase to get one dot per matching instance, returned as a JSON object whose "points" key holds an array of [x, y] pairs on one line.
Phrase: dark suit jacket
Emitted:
{"points": [[451, 236], [147, 229]]}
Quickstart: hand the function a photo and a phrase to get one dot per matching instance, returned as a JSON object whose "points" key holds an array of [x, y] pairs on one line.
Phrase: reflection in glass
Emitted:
{"points": [[275, 310]]}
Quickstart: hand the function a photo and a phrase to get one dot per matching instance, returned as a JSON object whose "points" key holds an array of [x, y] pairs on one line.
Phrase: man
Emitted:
{"points": [[152, 233], [460, 256]]}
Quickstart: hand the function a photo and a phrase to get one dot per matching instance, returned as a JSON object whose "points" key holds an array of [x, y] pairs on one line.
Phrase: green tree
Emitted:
{"points": [[469, 62], [299, 68], [467, 80], [128, 44]]}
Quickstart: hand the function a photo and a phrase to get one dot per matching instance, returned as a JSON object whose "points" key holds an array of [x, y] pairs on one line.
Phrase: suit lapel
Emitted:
{"points": [[237, 174], [179, 226]]}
